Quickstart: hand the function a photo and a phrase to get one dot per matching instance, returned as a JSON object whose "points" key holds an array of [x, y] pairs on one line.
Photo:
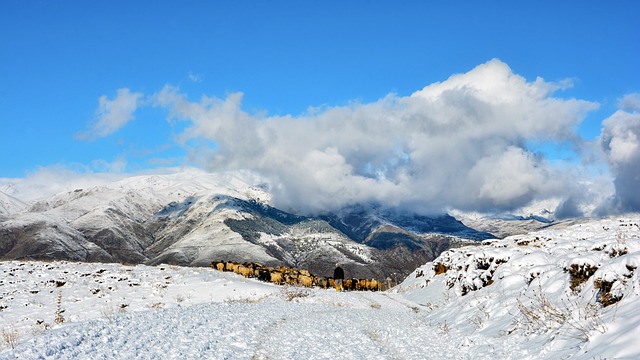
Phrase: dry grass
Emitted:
{"points": [[291, 293], [575, 320], [10, 337]]}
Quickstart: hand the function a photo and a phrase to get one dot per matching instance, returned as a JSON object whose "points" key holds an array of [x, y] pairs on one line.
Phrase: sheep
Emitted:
{"points": [[306, 281], [374, 285], [264, 274], [229, 266], [348, 284], [322, 282], [244, 271], [292, 276], [236, 268], [362, 284], [276, 277]]}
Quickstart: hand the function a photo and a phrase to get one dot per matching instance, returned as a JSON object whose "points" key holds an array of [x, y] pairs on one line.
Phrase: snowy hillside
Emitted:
{"points": [[193, 217], [570, 293], [10, 205], [113, 222]]}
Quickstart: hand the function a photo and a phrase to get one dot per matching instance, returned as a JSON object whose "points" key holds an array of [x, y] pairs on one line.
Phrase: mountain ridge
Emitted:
{"points": [[193, 218]]}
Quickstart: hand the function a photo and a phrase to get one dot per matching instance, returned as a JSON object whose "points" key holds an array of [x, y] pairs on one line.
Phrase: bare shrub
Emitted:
{"points": [[440, 269], [10, 337], [123, 308], [291, 293], [541, 316], [605, 294], [579, 274], [108, 312], [477, 320], [157, 305], [59, 318], [444, 328]]}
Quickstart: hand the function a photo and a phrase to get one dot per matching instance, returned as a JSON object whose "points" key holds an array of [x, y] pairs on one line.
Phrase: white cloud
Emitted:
{"points": [[112, 114], [630, 102], [50, 180], [455, 144], [620, 145], [196, 78]]}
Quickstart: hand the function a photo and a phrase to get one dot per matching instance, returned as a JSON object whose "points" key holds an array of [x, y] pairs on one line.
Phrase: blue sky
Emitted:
{"points": [[58, 58]]}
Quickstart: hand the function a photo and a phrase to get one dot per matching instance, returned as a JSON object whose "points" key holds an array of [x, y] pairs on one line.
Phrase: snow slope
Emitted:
{"points": [[10, 205], [522, 297], [570, 293]]}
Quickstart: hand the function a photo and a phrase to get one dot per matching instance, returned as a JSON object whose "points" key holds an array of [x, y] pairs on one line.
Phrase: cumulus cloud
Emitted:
{"points": [[620, 144], [630, 102], [112, 114], [460, 143]]}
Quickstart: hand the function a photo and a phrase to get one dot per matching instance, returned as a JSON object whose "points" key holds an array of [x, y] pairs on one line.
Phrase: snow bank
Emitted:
{"points": [[570, 293]]}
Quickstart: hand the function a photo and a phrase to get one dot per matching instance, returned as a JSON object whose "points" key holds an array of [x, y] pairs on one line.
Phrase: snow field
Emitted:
{"points": [[570, 293], [202, 313]]}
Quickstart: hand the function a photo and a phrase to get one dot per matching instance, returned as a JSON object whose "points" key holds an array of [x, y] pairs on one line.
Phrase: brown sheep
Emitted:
{"points": [[348, 284], [291, 278], [306, 281], [220, 266], [229, 266], [236, 268], [276, 277], [374, 285], [244, 271]]}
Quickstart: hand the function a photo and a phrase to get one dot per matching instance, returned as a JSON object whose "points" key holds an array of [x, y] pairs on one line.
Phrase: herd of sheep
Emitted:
{"points": [[295, 277]]}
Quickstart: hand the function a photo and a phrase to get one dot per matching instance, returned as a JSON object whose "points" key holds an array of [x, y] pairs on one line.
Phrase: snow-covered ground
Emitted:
{"points": [[519, 303], [115, 311], [564, 293]]}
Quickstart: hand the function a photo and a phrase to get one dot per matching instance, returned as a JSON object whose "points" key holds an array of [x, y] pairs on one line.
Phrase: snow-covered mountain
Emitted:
{"points": [[194, 217], [10, 205]]}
